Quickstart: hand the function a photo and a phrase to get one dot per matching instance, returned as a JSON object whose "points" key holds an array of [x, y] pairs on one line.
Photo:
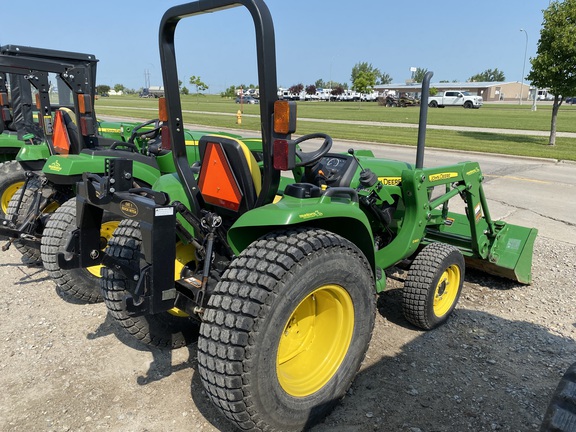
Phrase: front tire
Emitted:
{"points": [[165, 329], [467, 104], [80, 283], [433, 286], [286, 329]]}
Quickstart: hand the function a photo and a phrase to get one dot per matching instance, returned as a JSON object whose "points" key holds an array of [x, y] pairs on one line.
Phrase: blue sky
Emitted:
{"points": [[314, 39]]}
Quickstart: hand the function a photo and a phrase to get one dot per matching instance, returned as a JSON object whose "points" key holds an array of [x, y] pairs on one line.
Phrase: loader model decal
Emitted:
{"points": [[129, 208]]}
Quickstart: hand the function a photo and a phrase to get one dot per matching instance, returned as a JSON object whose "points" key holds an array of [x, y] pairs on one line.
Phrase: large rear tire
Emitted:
{"points": [[80, 283], [166, 329], [286, 329], [433, 286]]}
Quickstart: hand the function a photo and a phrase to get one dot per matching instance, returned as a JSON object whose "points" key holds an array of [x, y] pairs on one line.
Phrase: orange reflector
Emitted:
{"points": [[38, 105], [84, 104], [60, 139], [284, 117], [217, 182], [162, 110], [4, 99]]}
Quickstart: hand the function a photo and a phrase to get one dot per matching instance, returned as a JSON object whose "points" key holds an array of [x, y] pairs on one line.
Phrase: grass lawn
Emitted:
{"points": [[218, 112]]}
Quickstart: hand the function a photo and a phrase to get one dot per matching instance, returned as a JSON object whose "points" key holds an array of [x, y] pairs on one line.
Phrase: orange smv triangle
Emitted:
{"points": [[60, 138], [217, 182]]}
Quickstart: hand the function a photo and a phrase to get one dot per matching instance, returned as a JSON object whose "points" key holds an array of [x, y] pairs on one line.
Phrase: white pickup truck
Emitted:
{"points": [[455, 98]]}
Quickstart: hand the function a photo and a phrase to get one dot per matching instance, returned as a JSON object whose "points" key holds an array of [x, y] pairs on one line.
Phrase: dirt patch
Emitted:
{"points": [[493, 366]]}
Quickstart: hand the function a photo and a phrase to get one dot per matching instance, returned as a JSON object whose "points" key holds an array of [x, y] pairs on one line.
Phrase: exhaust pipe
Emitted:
{"points": [[423, 119]]}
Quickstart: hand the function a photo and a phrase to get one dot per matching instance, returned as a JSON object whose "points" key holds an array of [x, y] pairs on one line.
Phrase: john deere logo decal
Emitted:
{"points": [[390, 181], [129, 208], [313, 214], [55, 166], [442, 176]]}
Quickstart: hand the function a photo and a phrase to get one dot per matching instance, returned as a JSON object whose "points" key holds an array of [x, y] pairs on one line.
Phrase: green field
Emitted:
{"points": [[218, 112]]}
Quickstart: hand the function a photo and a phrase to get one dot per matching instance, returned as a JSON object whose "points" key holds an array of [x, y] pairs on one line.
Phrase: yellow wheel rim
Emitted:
{"points": [[8, 194], [106, 231], [185, 253], [446, 290], [315, 341]]}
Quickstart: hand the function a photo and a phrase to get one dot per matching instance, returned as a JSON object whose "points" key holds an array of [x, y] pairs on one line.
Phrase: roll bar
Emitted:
{"points": [[266, 54]]}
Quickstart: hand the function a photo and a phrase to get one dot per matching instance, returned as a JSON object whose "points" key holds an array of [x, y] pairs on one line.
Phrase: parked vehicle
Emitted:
{"points": [[402, 100], [152, 92], [455, 98], [247, 100]]}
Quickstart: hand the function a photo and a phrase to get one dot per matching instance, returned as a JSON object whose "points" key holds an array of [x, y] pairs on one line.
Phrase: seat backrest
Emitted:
{"points": [[230, 177]]}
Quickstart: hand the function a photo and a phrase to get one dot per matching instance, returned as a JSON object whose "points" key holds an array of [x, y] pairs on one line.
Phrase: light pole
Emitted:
{"points": [[523, 64]]}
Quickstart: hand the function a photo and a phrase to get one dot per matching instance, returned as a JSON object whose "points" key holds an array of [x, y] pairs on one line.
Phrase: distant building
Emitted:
{"points": [[490, 91]]}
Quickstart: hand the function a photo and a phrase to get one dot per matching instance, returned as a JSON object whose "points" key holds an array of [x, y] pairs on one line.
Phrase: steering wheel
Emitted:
{"points": [[150, 134], [310, 158]]}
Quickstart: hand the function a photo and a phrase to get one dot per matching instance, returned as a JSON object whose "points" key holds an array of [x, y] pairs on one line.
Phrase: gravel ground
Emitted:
{"points": [[492, 367]]}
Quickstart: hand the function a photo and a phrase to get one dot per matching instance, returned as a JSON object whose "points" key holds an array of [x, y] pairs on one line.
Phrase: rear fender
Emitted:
{"points": [[340, 216]]}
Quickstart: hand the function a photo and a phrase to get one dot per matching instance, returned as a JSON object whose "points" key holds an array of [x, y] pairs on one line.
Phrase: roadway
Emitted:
{"points": [[533, 192]]}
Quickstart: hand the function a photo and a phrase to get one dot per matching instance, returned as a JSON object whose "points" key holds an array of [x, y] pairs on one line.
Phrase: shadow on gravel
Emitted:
{"points": [[478, 372]]}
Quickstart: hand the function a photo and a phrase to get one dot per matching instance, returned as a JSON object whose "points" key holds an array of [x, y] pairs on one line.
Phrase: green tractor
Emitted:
{"points": [[67, 142], [279, 278], [23, 142]]}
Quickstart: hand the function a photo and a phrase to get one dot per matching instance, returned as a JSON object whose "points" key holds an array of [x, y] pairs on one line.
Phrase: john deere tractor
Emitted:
{"points": [[66, 141], [282, 277]]}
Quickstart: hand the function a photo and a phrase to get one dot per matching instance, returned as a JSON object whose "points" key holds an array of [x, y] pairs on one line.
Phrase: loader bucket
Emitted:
{"points": [[510, 254]]}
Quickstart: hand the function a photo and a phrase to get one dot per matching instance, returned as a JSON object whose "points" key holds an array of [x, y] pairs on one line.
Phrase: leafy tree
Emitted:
{"points": [[296, 88], [488, 75], [102, 89], [419, 74], [197, 81], [366, 68], [229, 92], [321, 84], [554, 66], [118, 88], [310, 89], [184, 90], [364, 82], [385, 78], [337, 91]]}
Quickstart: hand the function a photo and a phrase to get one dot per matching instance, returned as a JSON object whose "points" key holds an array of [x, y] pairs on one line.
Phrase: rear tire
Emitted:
{"points": [[80, 283], [286, 329], [161, 330], [433, 104], [433, 286], [561, 413]]}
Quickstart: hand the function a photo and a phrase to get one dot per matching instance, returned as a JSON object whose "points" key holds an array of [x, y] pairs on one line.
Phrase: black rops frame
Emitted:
{"points": [[266, 55]]}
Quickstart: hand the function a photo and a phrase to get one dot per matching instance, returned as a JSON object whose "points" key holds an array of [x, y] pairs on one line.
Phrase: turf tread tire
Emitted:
{"points": [[423, 277], [160, 330], [234, 320], [77, 283]]}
